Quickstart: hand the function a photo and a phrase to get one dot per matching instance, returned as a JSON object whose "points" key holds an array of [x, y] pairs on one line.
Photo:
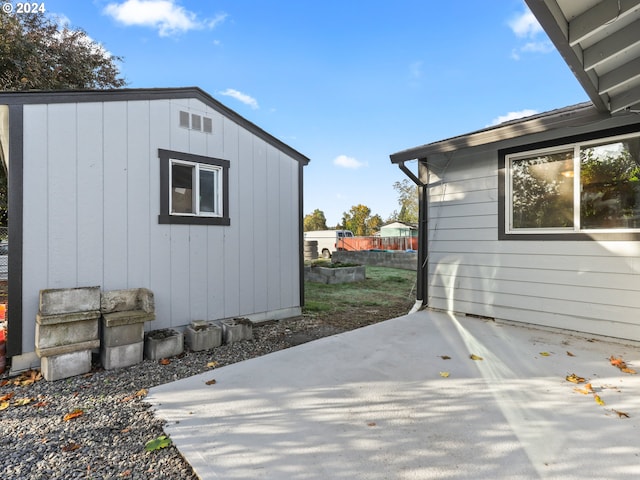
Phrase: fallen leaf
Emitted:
{"points": [[586, 390], [157, 443], [40, 404], [4, 405], [545, 354], [6, 397], [210, 382], [371, 424], [570, 354], [475, 357], [444, 374], [213, 364], [142, 392], [598, 400], [628, 370], [164, 361], [4, 382], [445, 357], [617, 362], [126, 473], [125, 430], [621, 414], [19, 402], [574, 378], [70, 447], [75, 414]]}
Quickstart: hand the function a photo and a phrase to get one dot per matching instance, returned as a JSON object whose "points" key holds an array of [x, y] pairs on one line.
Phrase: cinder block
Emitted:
{"points": [[56, 335], [203, 336], [237, 329], [163, 344], [121, 356], [65, 365], [129, 299], [122, 334], [55, 301]]}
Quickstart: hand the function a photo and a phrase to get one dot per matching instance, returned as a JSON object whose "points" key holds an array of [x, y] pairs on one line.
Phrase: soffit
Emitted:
{"points": [[600, 41]]}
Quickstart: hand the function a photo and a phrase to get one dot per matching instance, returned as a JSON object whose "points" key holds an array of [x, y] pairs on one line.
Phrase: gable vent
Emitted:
{"points": [[196, 122]]}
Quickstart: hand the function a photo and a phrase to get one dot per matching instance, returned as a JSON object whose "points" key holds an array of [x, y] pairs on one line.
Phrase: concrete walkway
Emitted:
{"points": [[372, 404]]}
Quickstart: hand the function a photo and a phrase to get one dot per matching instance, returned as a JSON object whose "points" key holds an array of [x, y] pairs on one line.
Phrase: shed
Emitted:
{"points": [[537, 220], [398, 229], [166, 189]]}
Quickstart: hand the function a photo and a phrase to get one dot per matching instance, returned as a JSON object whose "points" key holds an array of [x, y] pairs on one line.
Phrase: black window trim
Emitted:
{"points": [[165, 216], [560, 236]]}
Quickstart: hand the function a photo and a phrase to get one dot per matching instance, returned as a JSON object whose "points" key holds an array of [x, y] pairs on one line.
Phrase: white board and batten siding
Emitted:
{"points": [[92, 200], [587, 286]]}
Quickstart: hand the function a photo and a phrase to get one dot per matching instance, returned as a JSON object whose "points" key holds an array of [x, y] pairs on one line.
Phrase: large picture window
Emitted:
{"points": [[591, 186], [193, 189]]}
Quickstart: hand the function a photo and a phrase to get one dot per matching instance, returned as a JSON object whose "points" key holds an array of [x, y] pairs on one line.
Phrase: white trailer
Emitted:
{"points": [[327, 240]]}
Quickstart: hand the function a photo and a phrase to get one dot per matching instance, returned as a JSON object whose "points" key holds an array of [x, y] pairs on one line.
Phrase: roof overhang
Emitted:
{"points": [[600, 41]]}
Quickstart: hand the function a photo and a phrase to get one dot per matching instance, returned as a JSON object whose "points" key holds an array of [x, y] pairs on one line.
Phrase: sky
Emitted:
{"points": [[344, 82]]}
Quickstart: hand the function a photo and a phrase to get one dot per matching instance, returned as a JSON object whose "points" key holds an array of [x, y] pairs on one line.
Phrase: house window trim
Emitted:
{"points": [[167, 159], [557, 234]]}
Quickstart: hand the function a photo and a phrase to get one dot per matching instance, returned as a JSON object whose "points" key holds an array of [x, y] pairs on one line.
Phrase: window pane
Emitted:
{"points": [[610, 185], [542, 191], [208, 191], [181, 189]]}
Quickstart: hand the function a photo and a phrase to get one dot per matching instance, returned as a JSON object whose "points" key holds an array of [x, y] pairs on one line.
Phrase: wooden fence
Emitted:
{"points": [[356, 244]]}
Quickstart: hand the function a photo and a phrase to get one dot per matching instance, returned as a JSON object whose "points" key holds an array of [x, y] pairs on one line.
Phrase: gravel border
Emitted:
{"points": [[107, 440]]}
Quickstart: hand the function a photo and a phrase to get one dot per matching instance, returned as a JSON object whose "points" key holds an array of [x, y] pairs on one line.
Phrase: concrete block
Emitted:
{"points": [[237, 329], [67, 317], [203, 336], [129, 299], [122, 355], [121, 334], [66, 365], [163, 344], [69, 348], [69, 300], [117, 319], [57, 335]]}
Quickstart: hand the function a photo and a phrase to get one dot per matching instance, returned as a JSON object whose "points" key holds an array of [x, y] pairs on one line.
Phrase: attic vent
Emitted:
{"points": [[207, 125], [196, 122], [184, 119]]}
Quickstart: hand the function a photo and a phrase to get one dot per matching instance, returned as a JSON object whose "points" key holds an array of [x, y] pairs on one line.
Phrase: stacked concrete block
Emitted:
{"points": [[124, 313], [67, 326], [202, 335], [237, 329]]}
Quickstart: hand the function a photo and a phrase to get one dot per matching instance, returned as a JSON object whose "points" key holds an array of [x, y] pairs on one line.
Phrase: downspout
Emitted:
{"points": [[422, 283]]}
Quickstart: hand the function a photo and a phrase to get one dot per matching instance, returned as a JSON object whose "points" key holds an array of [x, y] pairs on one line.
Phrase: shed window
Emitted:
{"points": [[193, 189], [589, 186]]}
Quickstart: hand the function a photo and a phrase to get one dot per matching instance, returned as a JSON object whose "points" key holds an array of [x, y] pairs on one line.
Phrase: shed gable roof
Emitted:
{"points": [[76, 96]]}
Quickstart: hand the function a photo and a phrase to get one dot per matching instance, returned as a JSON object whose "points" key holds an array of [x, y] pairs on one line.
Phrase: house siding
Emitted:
{"points": [[92, 199], [590, 286]]}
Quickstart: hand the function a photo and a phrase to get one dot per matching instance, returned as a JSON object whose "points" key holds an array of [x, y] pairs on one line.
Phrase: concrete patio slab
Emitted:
{"points": [[373, 404]]}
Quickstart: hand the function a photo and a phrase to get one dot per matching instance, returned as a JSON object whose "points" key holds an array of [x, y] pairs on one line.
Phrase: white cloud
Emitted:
{"points": [[525, 25], [512, 116], [241, 97], [348, 162], [165, 15]]}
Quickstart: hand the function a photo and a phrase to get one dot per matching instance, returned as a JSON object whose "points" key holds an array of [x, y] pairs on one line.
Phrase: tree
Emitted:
{"points": [[315, 221], [408, 201], [38, 53], [360, 221]]}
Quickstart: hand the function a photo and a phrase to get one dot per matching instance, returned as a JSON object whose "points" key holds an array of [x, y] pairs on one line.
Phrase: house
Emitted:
{"points": [[537, 220], [165, 189]]}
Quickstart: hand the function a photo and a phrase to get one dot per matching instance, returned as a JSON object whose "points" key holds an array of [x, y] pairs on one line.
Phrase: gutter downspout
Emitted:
{"points": [[422, 284]]}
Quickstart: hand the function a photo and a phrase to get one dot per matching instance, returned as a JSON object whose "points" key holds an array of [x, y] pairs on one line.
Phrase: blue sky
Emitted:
{"points": [[345, 82]]}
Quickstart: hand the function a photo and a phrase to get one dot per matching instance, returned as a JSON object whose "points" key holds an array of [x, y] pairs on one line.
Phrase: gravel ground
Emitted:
{"points": [[112, 422]]}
